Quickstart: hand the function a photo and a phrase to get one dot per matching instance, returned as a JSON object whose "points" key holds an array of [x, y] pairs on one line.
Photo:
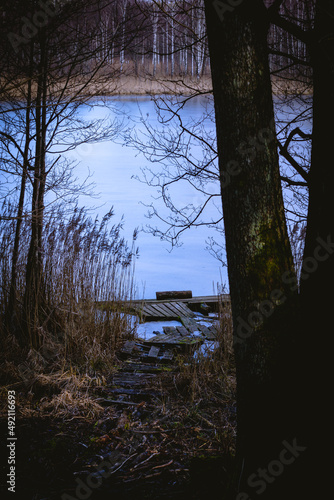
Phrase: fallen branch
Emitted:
{"points": [[129, 458], [147, 459], [163, 465]]}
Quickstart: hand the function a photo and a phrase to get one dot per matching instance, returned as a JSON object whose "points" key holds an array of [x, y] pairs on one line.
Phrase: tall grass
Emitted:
{"points": [[85, 261], [210, 373]]}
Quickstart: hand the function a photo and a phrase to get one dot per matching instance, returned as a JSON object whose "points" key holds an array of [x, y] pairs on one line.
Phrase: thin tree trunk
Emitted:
{"points": [[11, 314], [33, 300], [172, 47], [154, 47]]}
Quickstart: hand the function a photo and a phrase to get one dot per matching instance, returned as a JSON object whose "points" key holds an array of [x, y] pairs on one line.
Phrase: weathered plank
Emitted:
{"points": [[182, 310], [161, 310], [188, 312], [184, 294], [173, 311], [210, 336], [164, 339], [151, 310], [140, 393], [191, 341], [144, 310], [174, 340]]}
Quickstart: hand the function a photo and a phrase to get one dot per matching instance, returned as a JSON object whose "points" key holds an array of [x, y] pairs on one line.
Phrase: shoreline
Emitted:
{"points": [[149, 86], [127, 85]]}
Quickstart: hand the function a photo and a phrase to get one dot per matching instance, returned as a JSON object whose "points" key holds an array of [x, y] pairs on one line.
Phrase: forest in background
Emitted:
{"points": [[163, 39]]}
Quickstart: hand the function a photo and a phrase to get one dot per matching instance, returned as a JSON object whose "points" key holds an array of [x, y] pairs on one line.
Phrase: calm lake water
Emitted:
{"points": [[113, 166]]}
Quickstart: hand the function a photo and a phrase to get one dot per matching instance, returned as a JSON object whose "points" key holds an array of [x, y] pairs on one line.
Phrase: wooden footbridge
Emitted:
{"points": [[175, 305], [189, 335]]}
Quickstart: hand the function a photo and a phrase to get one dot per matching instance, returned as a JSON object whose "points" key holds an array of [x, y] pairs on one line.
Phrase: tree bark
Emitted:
{"points": [[257, 245], [11, 319], [317, 272], [33, 300]]}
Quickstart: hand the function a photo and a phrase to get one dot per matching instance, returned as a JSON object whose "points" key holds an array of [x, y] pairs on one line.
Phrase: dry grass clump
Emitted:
{"points": [[210, 372], [86, 262], [74, 404], [63, 394]]}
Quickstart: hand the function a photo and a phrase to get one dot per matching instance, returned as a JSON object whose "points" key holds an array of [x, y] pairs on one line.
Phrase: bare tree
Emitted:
{"points": [[44, 99]]}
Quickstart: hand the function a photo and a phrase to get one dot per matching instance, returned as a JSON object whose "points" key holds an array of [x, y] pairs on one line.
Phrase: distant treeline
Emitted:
{"points": [[160, 38]]}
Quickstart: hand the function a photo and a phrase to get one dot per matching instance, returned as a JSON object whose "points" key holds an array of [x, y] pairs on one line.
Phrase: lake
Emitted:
{"points": [[113, 165]]}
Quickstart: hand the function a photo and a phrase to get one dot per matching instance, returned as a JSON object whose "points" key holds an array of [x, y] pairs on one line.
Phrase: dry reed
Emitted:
{"points": [[86, 262]]}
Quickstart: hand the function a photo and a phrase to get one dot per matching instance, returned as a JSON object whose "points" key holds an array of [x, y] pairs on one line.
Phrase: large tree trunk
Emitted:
{"points": [[260, 264], [317, 273]]}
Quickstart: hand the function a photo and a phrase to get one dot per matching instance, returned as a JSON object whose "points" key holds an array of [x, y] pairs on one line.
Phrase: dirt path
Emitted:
{"points": [[146, 444]]}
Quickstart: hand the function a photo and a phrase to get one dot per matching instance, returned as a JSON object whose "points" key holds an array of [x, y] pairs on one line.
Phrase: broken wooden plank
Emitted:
{"points": [[167, 356], [168, 339], [161, 310], [154, 352], [165, 339], [182, 330], [135, 393], [111, 402], [191, 341], [171, 310], [214, 329], [175, 341], [128, 347], [157, 338], [210, 336], [203, 329], [189, 324], [131, 378], [140, 368]]}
